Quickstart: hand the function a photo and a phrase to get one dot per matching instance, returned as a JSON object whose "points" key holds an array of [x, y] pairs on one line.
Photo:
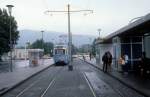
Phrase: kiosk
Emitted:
{"points": [[34, 56]]}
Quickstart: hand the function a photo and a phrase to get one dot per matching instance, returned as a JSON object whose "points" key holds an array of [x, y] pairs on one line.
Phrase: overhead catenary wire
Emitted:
{"points": [[69, 11]]}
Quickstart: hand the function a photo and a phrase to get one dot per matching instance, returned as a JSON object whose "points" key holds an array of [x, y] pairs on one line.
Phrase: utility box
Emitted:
{"points": [[34, 56]]}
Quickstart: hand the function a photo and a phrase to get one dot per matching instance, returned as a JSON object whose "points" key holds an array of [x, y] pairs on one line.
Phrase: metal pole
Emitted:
{"points": [[69, 32], [42, 40], [10, 39], [25, 51], [42, 48], [70, 40], [99, 30]]}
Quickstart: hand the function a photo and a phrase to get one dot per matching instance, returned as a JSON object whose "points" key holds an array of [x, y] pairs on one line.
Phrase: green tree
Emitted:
{"points": [[4, 31], [48, 48], [39, 44], [74, 49]]}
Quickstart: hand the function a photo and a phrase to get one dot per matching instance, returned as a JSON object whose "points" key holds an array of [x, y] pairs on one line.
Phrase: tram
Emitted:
{"points": [[60, 54]]}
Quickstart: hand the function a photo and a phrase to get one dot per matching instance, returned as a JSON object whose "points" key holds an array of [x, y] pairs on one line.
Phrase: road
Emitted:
{"points": [[83, 81]]}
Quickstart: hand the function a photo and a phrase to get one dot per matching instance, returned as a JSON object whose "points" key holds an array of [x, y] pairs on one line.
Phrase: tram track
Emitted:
{"points": [[118, 91], [92, 89], [89, 84], [49, 85], [94, 92], [69, 84], [49, 79], [83, 80], [31, 85]]}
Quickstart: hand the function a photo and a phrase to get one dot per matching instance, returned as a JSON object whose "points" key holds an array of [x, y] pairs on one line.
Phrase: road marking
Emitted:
{"points": [[89, 84], [51, 82], [48, 87]]}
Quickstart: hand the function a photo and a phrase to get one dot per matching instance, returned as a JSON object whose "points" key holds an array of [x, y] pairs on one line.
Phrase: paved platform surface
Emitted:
{"points": [[21, 71], [137, 83]]}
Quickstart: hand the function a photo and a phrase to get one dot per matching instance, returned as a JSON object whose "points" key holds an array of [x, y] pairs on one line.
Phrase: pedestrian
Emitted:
{"points": [[109, 60], [122, 63], [143, 62], [90, 56], [104, 59], [126, 59], [83, 57]]}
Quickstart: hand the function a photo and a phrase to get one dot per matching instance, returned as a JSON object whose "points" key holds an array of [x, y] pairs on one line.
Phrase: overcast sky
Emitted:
{"points": [[109, 15]]}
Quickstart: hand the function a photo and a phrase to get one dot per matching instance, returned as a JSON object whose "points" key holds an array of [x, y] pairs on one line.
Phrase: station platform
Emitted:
{"points": [[21, 73], [137, 83]]}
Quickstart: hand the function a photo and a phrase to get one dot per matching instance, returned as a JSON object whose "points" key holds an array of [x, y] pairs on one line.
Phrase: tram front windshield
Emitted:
{"points": [[60, 51]]}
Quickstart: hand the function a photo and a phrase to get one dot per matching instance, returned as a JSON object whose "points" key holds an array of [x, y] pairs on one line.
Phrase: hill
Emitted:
{"points": [[51, 36]]}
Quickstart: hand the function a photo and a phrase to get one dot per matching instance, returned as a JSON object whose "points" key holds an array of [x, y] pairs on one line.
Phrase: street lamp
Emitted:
{"points": [[10, 36], [89, 47], [27, 46], [99, 30], [42, 46], [42, 40]]}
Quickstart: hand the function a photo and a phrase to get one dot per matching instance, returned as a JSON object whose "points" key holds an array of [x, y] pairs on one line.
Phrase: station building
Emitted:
{"points": [[23, 54], [132, 40]]}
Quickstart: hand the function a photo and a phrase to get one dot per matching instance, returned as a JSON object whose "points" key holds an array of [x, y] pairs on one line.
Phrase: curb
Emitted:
{"points": [[22, 81], [129, 86]]}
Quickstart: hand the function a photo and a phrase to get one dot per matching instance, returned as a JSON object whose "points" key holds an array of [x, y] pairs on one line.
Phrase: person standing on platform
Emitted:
{"points": [[90, 55], [109, 60], [105, 62], [126, 59]]}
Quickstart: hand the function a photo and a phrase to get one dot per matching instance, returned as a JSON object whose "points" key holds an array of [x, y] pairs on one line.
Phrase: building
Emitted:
{"points": [[132, 40], [23, 54]]}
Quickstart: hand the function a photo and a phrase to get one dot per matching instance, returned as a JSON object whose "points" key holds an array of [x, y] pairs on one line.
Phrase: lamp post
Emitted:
{"points": [[99, 30], [42, 47], [10, 36], [89, 47], [42, 40]]}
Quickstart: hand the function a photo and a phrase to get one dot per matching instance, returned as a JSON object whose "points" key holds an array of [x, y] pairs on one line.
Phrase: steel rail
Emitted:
{"points": [[31, 85], [89, 84], [50, 84], [117, 91]]}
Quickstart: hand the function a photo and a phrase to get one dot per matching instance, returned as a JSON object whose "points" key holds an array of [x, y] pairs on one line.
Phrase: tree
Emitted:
{"points": [[74, 49], [4, 31], [39, 44], [48, 48]]}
